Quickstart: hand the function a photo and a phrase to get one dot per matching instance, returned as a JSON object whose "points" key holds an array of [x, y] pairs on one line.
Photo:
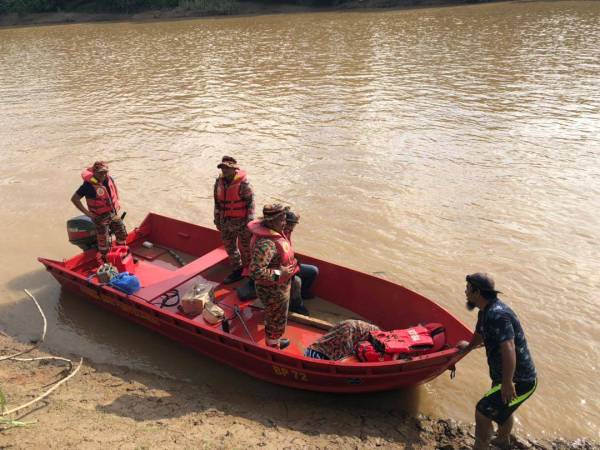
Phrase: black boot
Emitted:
{"points": [[234, 276], [300, 309], [283, 343], [296, 303], [247, 291]]}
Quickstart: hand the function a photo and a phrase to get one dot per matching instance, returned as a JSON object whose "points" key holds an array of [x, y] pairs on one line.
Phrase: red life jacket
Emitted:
{"points": [[288, 236], [228, 197], [391, 345], [105, 202], [284, 249], [246, 270]]}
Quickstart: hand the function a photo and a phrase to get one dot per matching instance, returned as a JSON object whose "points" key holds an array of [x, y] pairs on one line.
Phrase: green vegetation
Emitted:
{"points": [[5, 424], [40, 6], [131, 6], [213, 6]]}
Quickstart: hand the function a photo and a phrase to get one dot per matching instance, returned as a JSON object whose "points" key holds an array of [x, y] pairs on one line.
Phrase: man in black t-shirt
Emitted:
{"points": [[513, 374], [102, 199]]}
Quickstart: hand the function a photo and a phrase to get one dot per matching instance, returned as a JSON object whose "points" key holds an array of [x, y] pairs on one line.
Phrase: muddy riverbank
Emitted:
{"points": [[122, 408]]}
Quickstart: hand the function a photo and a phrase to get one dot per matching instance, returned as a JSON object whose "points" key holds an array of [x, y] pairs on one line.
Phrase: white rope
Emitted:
{"points": [[53, 358], [2, 358], [45, 394]]}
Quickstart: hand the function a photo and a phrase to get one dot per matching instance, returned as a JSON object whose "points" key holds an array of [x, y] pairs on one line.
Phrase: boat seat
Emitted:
{"points": [[175, 278]]}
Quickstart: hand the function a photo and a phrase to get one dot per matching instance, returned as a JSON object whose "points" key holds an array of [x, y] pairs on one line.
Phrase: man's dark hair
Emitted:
{"points": [[488, 295], [483, 283], [291, 217]]}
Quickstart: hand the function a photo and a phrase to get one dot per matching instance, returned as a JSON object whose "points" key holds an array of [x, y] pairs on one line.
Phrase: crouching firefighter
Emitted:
{"points": [[272, 268], [102, 199]]}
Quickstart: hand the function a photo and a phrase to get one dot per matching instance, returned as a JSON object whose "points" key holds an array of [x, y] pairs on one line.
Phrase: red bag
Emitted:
{"points": [[121, 258]]}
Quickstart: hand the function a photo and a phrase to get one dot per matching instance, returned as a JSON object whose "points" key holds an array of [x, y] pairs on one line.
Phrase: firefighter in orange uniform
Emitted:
{"points": [[102, 199], [234, 208], [272, 268]]}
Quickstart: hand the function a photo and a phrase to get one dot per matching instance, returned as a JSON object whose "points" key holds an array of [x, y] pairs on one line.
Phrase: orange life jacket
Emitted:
{"points": [[391, 345], [228, 197], [284, 249], [105, 202]]}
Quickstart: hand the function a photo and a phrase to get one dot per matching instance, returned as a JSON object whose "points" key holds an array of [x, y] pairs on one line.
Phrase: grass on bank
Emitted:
{"points": [[8, 423]]}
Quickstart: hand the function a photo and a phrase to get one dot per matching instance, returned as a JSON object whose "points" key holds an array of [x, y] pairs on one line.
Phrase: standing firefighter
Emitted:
{"points": [[511, 368], [234, 208], [102, 198], [272, 268]]}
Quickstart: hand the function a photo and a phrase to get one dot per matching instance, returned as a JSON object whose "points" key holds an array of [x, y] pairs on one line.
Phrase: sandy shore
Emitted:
{"points": [[234, 8], [106, 406]]}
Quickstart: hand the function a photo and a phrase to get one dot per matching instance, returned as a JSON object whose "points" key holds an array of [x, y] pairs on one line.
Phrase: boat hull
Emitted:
{"points": [[259, 361]]}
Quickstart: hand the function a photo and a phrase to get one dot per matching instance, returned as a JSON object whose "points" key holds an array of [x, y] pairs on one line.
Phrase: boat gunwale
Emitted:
{"points": [[440, 358], [431, 363]]}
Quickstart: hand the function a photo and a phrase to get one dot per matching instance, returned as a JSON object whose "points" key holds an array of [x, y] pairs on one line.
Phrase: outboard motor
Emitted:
{"points": [[82, 232]]}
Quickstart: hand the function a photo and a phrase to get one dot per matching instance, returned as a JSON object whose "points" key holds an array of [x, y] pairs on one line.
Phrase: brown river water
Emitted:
{"points": [[419, 145]]}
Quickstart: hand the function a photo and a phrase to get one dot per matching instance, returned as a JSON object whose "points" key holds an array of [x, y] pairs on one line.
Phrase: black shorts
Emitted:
{"points": [[492, 406]]}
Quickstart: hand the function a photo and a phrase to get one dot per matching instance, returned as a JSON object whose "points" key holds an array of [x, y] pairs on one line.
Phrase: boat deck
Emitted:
{"points": [[162, 280]]}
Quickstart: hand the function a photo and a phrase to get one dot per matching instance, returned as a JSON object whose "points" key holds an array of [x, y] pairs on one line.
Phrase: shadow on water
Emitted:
{"points": [[21, 319], [78, 327], [32, 281]]}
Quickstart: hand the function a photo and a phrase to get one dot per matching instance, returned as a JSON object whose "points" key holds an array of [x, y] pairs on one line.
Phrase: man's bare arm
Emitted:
{"points": [[76, 200], [465, 347], [509, 364]]}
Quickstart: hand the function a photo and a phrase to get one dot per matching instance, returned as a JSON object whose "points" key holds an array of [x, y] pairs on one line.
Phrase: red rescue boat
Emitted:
{"points": [[382, 302]]}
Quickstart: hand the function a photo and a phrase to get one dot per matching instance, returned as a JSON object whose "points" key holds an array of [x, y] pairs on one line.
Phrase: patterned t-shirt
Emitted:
{"points": [[498, 323]]}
